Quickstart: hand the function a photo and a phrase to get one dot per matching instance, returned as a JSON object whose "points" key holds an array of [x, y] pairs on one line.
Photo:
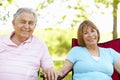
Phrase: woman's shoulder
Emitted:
{"points": [[102, 48], [78, 47], [106, 49]]}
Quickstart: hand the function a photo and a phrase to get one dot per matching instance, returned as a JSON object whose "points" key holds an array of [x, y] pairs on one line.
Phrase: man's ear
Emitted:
{"points": [[35, 25], [13, 23]]}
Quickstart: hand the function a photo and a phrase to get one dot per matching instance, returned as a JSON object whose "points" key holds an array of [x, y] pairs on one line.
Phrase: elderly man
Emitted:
{"points": [[21, 53]]}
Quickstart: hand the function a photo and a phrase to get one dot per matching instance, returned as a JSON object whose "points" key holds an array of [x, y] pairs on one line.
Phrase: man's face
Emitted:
{"points": [[24, 25]]}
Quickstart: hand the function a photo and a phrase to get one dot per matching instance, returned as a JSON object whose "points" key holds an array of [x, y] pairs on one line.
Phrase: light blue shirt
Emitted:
{"points": [[87, 68]]}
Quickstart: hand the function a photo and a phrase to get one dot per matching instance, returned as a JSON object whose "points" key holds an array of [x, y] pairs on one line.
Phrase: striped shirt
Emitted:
{"points": [[23, 62]]}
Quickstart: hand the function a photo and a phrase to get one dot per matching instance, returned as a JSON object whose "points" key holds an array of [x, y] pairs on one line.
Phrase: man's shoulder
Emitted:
{"points": [[4, 39], [38, 39], [4, 36]]}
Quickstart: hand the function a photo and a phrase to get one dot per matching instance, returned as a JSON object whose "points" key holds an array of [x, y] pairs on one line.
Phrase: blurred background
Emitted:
{"points": [[58, 21]]}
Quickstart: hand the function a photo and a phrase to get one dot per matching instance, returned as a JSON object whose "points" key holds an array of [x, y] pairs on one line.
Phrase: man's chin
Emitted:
{"points": [[26, 36]]}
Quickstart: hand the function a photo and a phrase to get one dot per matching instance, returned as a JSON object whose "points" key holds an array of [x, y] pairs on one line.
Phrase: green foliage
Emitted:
{"points": [[80, 14], [58, 40], [43, 4], [63, 17], [50, 1], [114, 4], [10, 1], [0, 3], [4, 13], [107, 3]]}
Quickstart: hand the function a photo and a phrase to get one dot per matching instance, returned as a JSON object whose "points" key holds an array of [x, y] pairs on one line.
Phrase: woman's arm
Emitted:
{"points": [[66, 68], [117, 65]]}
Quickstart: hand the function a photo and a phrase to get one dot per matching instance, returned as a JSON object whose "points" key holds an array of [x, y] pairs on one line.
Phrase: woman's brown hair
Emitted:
{"points": [[85, 23]]}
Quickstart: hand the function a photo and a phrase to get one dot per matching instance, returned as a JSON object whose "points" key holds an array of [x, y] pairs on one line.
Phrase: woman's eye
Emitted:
{"points": [[85, 32], [92, 31]]}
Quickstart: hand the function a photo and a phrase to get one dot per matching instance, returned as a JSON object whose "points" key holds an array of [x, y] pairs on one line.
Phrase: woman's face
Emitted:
{"points": [[90, 35]]}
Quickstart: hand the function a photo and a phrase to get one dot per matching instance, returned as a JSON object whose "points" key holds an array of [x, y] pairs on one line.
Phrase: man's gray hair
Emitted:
{"points": [[28, 10]]}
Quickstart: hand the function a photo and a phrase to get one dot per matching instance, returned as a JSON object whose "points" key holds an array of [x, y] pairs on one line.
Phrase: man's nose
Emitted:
{"points": [[27, 25]]}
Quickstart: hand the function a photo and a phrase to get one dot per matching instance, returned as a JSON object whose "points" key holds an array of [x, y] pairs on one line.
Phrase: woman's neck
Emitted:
{"points": [[93, 50]]}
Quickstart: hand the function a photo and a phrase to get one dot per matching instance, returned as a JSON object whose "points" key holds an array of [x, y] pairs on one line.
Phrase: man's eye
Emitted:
{"points": [[31, 23], [22, 22]]}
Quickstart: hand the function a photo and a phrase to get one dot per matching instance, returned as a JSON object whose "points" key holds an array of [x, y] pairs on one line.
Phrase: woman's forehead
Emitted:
{"points": [[88, 27]]}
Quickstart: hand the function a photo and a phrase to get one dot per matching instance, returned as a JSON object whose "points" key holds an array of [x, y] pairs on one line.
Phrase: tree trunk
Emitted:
{"points": [[115, 6]]}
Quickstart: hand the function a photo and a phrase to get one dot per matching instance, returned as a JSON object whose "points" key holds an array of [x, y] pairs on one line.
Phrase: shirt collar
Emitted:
{"points": [[8, 40]]}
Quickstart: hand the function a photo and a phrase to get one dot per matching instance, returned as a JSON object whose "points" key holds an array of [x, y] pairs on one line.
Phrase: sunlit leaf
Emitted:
{"points": [[10, 1], [63, 17], [69, 7], [0, 4], [41, 5], [50, 1]]}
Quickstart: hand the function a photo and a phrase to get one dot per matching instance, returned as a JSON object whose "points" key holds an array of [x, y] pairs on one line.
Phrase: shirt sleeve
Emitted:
{"points": [[115, 55], [72, 54], [46, 61]]}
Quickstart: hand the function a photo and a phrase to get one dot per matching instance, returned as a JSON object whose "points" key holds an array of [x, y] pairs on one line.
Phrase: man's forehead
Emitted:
{"points": [[25, 16]]}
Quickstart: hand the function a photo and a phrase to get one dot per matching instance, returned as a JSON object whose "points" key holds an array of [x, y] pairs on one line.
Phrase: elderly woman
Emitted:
{"points": [[21, 53], [90, 62]]}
